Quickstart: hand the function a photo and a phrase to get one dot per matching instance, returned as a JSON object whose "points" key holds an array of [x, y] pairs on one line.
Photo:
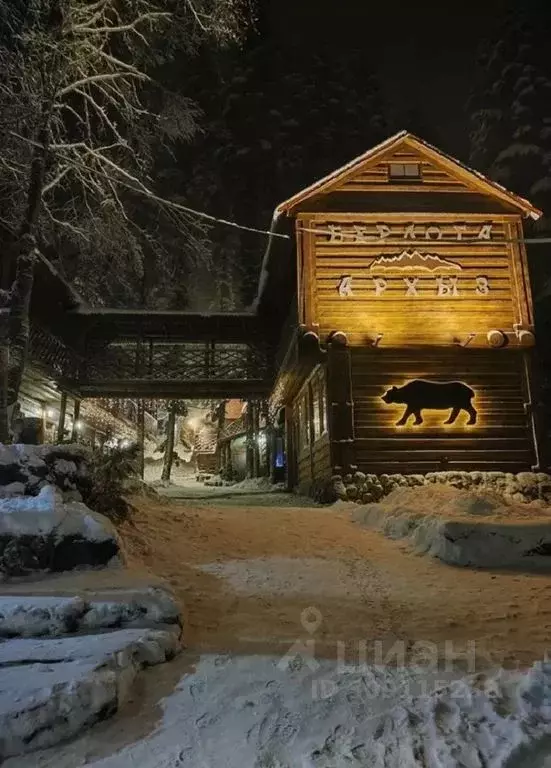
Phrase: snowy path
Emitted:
{"points": [[256, 580], [250, 711]]}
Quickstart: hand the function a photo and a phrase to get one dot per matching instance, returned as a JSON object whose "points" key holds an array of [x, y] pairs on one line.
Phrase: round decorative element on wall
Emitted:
{"points": [[496, 338]]}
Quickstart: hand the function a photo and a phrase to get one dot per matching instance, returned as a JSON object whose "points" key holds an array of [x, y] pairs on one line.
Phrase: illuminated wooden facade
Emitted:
{"points": [[410, 267]]}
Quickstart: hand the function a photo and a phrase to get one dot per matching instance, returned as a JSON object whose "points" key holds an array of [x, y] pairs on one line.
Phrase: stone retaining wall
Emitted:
{"points": [[524, 487]]}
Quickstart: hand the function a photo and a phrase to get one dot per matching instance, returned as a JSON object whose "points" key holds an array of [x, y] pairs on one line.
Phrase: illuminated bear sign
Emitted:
{"points": [[434, 395]]}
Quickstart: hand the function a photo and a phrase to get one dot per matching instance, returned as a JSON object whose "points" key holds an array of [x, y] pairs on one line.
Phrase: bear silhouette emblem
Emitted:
{"points": [[434, 395]]}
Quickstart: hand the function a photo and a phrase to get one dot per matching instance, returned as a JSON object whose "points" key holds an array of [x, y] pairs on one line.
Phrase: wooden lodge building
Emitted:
{"points": [[392, 332], [407, 344]]}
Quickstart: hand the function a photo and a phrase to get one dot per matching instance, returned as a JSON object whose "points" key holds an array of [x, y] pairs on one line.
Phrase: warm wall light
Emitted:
{"points": [[78, 425], [419, 395]]}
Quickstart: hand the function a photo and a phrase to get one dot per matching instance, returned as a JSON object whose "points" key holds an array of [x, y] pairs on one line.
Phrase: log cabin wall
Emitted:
{"points": [[418, 264], [311, 430], [414, 280], [500, 440]]}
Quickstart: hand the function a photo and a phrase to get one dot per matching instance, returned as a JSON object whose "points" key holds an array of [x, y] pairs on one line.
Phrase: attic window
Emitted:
{"points": [[404, 171]]}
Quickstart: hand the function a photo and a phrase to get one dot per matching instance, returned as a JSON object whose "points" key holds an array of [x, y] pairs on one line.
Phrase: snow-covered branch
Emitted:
{"points": [[104, 77]]}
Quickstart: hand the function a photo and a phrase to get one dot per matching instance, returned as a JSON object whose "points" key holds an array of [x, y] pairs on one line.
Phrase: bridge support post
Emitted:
{"points": [[62, 414], [76, 415], [226, 451], [249, 439], [256, 434], [141, 436], [269, 440]]}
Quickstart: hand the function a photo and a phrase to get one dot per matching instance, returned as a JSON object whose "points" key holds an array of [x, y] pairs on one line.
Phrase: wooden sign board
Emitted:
{"points": [[417, 279]]}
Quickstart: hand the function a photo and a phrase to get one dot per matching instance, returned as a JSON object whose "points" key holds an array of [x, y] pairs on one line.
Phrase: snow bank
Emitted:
{"points": [[43, 533], [26, 469], [258, 712], [52, 689], [55, 616], [463, 528], [258, 484]]}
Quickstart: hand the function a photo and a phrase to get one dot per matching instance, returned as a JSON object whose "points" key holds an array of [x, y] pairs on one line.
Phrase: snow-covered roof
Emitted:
{"points": [[233, 429], [454, 166], [206, 439], [234, 409]]}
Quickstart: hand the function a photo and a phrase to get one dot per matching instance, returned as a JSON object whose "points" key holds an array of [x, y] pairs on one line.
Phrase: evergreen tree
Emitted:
{"points": [[511, 118], [511, 107], [282, 118]]}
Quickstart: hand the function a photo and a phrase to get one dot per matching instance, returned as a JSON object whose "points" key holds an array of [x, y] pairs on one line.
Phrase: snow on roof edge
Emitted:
{"points": [[343, 168], [263, 278], [529, 209]]}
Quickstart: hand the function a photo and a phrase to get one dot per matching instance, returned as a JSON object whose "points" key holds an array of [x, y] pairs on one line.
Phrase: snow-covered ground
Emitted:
{"points": [[50, 689], [265, 712], [466, 528]]}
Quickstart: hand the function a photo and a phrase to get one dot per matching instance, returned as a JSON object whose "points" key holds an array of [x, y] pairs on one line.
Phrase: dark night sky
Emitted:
{"points": [[424, 50]]}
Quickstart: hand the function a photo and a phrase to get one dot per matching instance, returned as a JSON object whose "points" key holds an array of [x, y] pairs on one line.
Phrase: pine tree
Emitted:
{"points": [[511, 118], [511, 107], [282, 118]]}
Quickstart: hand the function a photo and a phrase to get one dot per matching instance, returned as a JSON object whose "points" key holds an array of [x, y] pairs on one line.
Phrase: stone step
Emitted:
{"points": [[53, 688], [42, 615]]}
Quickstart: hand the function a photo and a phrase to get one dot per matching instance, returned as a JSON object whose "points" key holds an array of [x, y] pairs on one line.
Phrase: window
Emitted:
{"points": [[404, 171], [322, 405], [316, 410], [303, 423]]}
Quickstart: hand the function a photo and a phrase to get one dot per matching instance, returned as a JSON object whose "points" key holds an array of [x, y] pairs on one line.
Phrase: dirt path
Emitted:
{"points": [[246, 575]]}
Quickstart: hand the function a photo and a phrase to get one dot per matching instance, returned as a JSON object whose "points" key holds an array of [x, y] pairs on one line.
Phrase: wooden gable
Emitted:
{"points": [[375, 175], [437, 172]]}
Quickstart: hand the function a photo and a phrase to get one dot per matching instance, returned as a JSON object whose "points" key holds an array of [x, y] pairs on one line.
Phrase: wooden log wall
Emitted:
{"points": [[310, 430], [500, 440], [377, 178], [412, 280]]}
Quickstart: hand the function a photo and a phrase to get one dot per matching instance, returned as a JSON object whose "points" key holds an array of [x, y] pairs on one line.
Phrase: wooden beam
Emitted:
{"points": [[169, 326], [141, 436], [162, 389], [76, 414], [62, 413], [249, 440]]}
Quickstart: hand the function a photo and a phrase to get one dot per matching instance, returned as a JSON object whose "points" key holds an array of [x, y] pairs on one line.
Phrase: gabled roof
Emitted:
{"points": [[233, 429], [206, 438], [477, 181]]}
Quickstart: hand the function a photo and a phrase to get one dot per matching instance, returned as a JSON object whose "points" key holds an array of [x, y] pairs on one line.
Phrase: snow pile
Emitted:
{"points": [[55, 616], [42, 533], [262, 484], [250, 484], [463, 527], [26, 469], [52, 689], [258, 712]]}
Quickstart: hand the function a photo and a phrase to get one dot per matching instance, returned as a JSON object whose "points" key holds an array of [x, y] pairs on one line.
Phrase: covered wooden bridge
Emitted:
{"points": [[143, 353]]}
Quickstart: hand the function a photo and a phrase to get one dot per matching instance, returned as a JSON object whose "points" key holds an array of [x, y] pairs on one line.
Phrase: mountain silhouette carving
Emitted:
{"points": [[413, 261]]}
